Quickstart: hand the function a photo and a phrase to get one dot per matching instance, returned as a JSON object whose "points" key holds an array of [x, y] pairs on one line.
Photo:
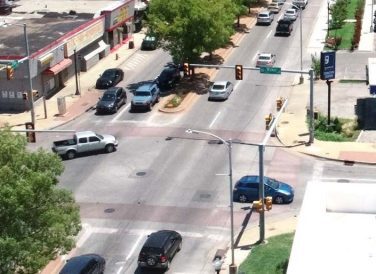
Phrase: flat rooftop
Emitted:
{"points": [[46, 21], [336, 231]]}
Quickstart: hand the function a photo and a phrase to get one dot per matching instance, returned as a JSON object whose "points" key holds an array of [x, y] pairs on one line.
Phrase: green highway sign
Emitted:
{"points": [[270, 70]]}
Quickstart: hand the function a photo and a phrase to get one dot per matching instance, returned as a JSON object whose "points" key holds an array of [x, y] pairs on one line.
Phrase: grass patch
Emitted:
{"points": [[270, 258], [346, 32], [349, 81], [339, 129]]}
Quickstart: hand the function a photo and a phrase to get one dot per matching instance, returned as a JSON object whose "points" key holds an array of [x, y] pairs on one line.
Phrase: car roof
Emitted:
{"points": [[112, 90], [84, 133], [78, 263], [267, 12], [223, 83], [158, 239], [291, 10], [265, 54], [146, 87]]}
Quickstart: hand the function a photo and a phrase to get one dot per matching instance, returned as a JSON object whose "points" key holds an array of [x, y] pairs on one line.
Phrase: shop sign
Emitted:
{"points": [[121, 14], [46, 59], [84, 37]]}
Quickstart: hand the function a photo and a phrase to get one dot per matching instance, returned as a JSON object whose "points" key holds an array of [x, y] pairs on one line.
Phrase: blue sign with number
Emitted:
{"points": [[327, 65]]}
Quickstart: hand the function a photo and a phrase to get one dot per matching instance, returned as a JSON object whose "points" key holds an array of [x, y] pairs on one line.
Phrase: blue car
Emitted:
{"points": [[247, 190]]}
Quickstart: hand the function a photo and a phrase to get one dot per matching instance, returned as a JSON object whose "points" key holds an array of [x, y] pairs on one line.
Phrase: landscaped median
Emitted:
{"points": [[191, 87]]}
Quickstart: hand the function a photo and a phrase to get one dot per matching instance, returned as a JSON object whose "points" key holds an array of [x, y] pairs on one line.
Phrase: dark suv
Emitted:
{"points": [[169, 76], [159, 249], [112, 100], [84, 264]]}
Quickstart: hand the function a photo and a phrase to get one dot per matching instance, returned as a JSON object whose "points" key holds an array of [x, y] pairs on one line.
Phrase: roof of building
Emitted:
{"points": [[336, 231], [46, 21]]}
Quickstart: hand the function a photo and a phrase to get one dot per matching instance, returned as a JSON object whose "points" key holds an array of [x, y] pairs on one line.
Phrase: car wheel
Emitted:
{"points": [[167, 265], [150, 106], [151, 261], [279, 200], [115, 109], [110, 148], [71, 154], [243, 198]]}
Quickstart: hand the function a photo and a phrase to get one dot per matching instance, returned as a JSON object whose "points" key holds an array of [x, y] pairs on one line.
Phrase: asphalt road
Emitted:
{"points": [[154, 182]]}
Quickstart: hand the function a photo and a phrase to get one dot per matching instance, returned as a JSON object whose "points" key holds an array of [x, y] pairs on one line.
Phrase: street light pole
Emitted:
{"points": [[327, 35], [301, 79], [30, 92], [233, 267]]}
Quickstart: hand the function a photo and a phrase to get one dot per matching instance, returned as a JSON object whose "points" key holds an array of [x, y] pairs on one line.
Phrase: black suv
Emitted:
{"points": [[169, 76], [284, 27], [112, 100], [159, 249], [84, 264]]}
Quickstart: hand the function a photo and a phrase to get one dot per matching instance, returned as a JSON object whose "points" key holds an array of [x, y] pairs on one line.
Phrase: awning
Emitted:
{"points": [[101, 47], [58, 67]]}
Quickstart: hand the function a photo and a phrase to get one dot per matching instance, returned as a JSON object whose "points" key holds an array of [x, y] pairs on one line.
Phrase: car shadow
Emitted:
{"points": [[85, 154], [140, 270]]}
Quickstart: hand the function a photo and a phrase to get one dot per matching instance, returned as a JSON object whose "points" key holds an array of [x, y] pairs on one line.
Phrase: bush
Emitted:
{"points": [[315, 65]]}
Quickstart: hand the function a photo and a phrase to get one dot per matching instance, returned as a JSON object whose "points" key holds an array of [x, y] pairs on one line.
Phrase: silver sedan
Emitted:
{"points": [[220, 90]]}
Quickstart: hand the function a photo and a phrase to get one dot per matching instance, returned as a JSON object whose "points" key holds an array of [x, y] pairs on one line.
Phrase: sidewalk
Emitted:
{"points": [[292, 128]]}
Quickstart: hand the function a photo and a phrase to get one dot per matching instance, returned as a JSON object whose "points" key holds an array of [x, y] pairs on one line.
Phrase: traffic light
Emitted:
{"points": [[257, 205], [30, 135], [268, 202], [186, 69], [24, 96], [10, 72], [239, 72]]}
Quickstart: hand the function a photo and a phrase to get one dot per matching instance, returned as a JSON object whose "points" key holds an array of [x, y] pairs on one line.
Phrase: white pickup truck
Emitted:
{"points": [[84, 141]]}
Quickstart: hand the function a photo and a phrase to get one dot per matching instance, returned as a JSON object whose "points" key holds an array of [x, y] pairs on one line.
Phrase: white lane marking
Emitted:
{"points": [[360, 135], [270, 33], [125, 108], [119, 270], [317, 171], [142, 235], [215, 118], [236, 85]]}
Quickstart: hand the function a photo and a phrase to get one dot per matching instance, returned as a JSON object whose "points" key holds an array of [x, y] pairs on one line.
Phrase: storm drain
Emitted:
{"points": [[203, 196], [109, 210], [140, 173]]}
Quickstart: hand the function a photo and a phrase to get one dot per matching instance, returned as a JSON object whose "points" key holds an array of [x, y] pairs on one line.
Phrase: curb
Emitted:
{"points": [[185, 103]]}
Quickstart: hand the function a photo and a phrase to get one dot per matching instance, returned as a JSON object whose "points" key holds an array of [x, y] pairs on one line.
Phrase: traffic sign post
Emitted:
{"points": [[270, 70]]}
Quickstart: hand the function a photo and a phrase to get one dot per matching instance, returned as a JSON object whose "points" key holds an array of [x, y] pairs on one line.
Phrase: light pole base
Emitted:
{"points": [[233, 269], [301, 79]]}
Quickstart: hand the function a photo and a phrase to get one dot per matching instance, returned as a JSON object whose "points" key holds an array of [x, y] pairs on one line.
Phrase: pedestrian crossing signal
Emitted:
{"points": [[30, 135], [239, 72], [10, 73], [186, 69]]}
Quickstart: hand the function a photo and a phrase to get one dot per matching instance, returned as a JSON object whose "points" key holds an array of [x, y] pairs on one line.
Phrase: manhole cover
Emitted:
{"points": [[141, 173], [109, 210], [205, 196], [343, 181]]}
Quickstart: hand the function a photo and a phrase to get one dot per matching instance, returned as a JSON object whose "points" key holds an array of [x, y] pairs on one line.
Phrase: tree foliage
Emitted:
{"points": [[187, 28], [38, 220], [339, 13]]}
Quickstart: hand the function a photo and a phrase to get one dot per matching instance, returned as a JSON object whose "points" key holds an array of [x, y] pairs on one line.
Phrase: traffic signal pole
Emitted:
{"points": [[30, 91]]}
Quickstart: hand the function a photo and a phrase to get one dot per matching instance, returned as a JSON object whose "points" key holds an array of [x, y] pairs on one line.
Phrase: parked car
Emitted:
{"points": [[169, 76], [265, 17], [145, 96], [290, 14], [220, 90], [159, 249], [84, 141], [274, 7], [110, 78], [247, 190], [300, 3], [84, 264], [112, 100], [284, 27], [265, 60], [279, 2], [149, 43]]}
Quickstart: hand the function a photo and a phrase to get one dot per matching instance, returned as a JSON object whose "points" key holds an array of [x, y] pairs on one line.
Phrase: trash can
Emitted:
{"points": [[61, 105], [131, 44]]}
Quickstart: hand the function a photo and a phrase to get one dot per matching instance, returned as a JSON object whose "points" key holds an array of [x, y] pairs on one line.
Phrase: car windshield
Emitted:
{"points": [[290, 12], [149, 38], [108, 97], [263, 15], [165, 74], [218, 87], [142, 93], [264, 58], [99, 136], [108, 74], [272, 183]]}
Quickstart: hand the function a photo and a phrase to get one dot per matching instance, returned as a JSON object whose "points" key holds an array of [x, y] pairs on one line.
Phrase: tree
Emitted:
{"points": [[38, 220], [339, 13], [241, 9], [187, 28]]}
